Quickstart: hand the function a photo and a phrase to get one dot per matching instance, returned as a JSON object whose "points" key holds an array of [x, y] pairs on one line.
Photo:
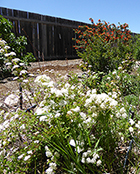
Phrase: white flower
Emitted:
{"points": [[114, 95], [72, 87], [67, 85], [131, 121], [4, 142], [27, 157], [43, 118], [72, 143], [95, 155], [93, 91], [22, 126], [58, 93], [23, 72], [12, 53], [79, 149], [122, 110], [77, 109], [69, 112], [118, 77], [113, 103], [53, 166], [46, 148], [48, 154], [119, 67], [124, 115], [88, 93], [25, 80], [57, 115], [42, 78], [30, 152], [5, 124], [88, 160], [15, 60], [36, 141], [93, 160], [118, 115], [49, 171], [1, 50], [85, 154], [83, 160], [50, 84], [88, 101], [88, 152], [114, 72], [64, 91], [87, 121], [137, 126], [131, 129], [103, 106], [7, 55], [122, 138], [40, 111], [31, 75], [99, 162], [15, 66], [21, 156], [83, 115], [2, 42], [22, 64], [8, 64]]}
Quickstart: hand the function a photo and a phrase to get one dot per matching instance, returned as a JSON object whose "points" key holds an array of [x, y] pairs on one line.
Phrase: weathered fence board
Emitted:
{"points": [[48, 37]]}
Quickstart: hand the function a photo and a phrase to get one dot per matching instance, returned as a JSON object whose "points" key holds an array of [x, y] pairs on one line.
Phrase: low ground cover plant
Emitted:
{"points": [[79, 124]]}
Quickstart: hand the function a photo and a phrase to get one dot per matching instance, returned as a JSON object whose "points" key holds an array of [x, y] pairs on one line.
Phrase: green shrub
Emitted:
{"points": [[17, 45], [73, 130], [103, 46], [9, 63]]}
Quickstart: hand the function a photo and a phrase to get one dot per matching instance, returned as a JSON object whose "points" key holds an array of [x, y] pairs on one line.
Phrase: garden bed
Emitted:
{"points": [[62, 67]]}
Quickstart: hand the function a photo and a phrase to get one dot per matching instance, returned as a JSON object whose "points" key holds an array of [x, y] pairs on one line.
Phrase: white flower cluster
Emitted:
{"points": [[92, 101], [25, 157], [10, 62], [52, 164], [101, 100], [78, 145], [89, 157], [134, 126]]}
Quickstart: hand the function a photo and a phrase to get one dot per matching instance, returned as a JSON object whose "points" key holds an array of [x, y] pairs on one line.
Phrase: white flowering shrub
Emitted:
{"points": [[74, 129], [9, 62]]}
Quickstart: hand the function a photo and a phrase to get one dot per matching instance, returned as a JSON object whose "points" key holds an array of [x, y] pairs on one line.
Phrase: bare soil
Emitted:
{"points": [[62, 67]]}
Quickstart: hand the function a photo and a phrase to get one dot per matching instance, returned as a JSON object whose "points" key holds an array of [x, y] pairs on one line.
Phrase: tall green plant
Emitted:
{"points": [[17, 44], [103, 46]]}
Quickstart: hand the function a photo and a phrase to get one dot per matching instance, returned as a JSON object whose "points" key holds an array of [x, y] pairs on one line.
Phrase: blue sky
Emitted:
{"points": [[112, 11]]}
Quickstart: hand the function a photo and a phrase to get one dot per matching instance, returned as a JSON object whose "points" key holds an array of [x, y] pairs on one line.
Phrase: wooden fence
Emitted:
{"points": [[48, 37]]}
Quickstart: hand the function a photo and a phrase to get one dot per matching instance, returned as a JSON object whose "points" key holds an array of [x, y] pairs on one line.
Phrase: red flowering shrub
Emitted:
{"points": [[103, 46]]}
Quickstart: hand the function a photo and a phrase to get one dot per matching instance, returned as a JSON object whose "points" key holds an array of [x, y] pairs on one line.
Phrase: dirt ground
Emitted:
{"points": [[62, 67]]}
